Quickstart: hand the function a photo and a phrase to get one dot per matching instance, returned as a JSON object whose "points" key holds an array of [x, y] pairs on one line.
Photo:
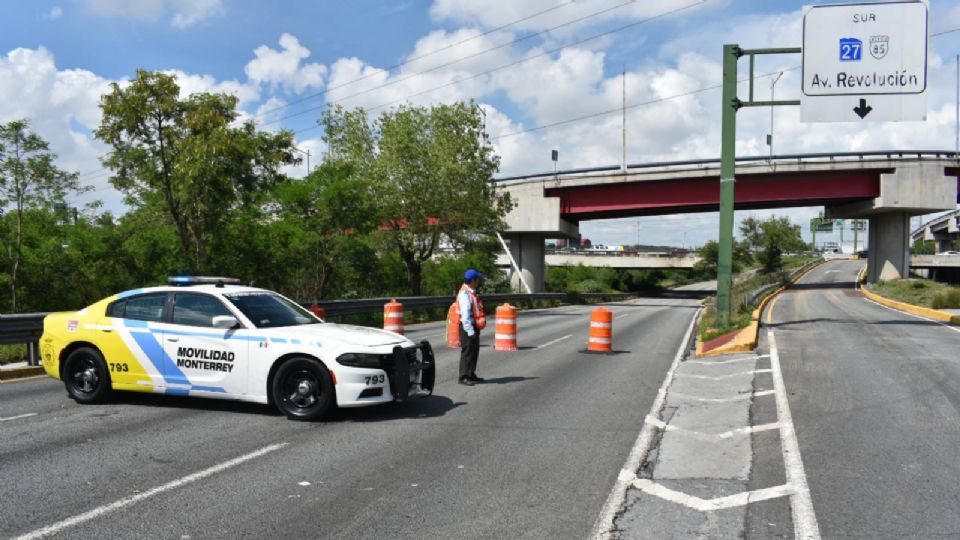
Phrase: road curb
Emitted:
{"points": [[929, 313], [7, 375], [746, 340]]}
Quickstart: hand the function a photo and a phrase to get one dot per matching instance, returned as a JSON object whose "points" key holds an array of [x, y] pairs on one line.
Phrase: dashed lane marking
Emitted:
{"points": [[133, 499], [549, 343], [18, 417]]}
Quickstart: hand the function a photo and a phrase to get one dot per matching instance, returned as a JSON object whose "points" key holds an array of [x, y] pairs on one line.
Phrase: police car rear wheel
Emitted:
{"points": [[303, 389], [86, 377]]}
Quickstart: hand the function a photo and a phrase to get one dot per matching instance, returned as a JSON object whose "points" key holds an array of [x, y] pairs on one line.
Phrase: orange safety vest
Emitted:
{"points": [[479, 316]]}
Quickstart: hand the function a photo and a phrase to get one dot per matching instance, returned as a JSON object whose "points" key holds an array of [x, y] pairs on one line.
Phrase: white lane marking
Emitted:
{"points": [[623, 315], [951, 327], [721, 377], [127, 501], [707, 505], [603, 526], [18, 417], [711, 436], [742, 397], [731, 361], [549, 343], [801, 505]]}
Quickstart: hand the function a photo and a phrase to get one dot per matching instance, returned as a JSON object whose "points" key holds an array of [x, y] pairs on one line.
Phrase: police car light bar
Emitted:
{"points": [[202, 280]]}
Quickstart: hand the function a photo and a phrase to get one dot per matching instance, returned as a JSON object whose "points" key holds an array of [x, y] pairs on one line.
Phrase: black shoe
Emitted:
{"points": [[465, 381], [474, 378]]}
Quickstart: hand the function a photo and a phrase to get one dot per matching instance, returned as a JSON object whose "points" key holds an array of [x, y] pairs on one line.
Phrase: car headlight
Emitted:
{"points": [[361, 360]]}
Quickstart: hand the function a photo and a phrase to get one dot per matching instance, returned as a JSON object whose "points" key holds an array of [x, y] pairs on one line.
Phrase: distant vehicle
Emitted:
{"points": [[862, 254], [210, 337], [950, 253]]}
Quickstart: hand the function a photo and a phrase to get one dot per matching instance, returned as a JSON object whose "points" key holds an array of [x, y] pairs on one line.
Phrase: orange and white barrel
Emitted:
{"points": [[453, 327], [505, 336], [393, 316], [601, 330], [318, 311]]}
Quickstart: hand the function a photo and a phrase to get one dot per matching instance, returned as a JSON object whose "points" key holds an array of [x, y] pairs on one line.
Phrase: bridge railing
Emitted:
{"points": [[26, 328], [826, 156]]}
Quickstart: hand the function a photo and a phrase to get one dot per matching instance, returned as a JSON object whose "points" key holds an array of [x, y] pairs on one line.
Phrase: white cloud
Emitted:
{"points": [[54, 13], [184, 13], [246, 93], [283, 68]]}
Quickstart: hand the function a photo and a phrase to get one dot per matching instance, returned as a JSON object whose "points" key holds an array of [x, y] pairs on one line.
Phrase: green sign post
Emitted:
{"points": [[728, 140]]}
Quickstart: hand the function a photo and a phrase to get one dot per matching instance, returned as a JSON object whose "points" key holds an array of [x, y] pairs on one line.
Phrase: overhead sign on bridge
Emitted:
{"points": [[864, 62]]}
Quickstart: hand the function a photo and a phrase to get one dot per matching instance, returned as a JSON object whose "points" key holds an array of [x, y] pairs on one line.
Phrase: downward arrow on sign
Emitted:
{"points": [[863, 110]]}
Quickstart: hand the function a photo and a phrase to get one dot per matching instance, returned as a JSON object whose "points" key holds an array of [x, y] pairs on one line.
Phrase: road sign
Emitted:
{"points": [[819, 224], [864, 62]]}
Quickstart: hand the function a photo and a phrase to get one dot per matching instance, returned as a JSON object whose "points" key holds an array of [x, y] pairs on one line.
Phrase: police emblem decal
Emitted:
{"points": [[879, 45]]}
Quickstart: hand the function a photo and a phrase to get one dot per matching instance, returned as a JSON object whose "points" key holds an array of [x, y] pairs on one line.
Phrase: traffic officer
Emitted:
{"points": [[472, 320]]}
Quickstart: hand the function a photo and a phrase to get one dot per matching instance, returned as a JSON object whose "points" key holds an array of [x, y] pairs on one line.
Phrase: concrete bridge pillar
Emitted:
{"points": [[889, 247], [529, 253]]}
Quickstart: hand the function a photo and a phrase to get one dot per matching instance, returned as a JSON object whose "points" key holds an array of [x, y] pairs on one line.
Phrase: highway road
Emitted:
{"points": [[531, 453], [875, 396]]}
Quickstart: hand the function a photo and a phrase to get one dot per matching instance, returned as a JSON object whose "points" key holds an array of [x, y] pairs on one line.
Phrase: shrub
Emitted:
{"points": [[947, 299]]}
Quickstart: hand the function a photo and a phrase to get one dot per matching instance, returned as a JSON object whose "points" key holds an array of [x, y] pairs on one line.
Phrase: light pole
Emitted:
{"points": [[773, 83]]}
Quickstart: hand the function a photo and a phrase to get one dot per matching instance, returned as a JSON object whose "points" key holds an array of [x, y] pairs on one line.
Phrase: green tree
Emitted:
{"points": [[752, 232], [777, 236], [28, 181], [187, 156], [322, 218], [430, 171], [709, 253]]}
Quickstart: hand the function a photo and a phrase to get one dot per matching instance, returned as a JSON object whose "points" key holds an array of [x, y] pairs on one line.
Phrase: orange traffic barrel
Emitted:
{"points": [[453, 327], [601, 330], [393, 316], [318, 311], [505, 336]]}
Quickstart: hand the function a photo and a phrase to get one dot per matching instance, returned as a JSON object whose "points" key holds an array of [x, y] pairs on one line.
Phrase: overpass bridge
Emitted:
{"points": [[944, 230], [634, 261], [886, 188]]}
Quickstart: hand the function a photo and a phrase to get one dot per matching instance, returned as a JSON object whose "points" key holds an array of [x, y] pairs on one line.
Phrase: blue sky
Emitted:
{"points": [[57, 57]]}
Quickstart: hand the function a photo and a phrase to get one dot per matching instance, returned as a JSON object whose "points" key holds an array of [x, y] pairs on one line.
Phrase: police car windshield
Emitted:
{"points": [[268, 310]]}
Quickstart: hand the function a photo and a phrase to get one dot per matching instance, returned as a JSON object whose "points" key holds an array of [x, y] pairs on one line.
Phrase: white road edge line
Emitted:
{"points": [[603, 526], [549, 343], [127, 501], [731, 361], [18, 417], [801, 505], [954, 328]]}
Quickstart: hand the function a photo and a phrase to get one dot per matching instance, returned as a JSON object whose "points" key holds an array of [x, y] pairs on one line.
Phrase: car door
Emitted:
{"points": [[204, 359], [131, 342]]}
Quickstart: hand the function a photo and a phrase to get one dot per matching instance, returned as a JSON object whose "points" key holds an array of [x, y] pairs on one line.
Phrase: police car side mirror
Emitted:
{"points": [[225, 322]]}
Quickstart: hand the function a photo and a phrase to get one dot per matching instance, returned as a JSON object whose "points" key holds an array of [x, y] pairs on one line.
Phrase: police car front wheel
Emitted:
{"points": [[86, 377], [303, 389]]}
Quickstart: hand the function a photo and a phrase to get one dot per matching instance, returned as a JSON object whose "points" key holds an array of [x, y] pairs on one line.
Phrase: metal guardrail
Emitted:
{"points": [[27, 327], [751, 297], [830, 156]]}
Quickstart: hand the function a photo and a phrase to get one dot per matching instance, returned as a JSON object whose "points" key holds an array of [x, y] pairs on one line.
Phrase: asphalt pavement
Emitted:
{"points": [[875, 396], [531, 453]]}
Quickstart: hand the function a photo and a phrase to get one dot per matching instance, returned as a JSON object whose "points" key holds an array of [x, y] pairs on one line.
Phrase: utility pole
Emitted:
{"points": [[956, 114], [623, 122], [770, 138]]}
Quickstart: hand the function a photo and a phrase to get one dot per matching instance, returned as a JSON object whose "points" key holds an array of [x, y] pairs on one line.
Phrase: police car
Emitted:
{"points": [[211, 337]]}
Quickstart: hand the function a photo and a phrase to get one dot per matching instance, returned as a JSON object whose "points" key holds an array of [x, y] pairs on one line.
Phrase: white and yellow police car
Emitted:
{"points": [[211, 337]]}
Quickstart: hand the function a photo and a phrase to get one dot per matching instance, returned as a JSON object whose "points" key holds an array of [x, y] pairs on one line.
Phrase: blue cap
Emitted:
{"points": [[471, 274]]}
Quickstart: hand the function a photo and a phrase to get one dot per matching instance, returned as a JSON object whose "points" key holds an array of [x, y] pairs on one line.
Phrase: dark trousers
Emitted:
{"points": [[469, 352]]}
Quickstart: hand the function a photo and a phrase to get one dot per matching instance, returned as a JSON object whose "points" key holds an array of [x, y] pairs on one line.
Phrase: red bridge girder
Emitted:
{"points": [[753, 191]]}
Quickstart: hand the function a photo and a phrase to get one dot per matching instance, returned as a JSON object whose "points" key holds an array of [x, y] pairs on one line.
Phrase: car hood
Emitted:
{"points": [[347, 333]]}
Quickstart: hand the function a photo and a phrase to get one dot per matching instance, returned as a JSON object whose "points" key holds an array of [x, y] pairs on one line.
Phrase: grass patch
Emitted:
{"points": [[920, 292], [13, 353], [744, 283]]}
